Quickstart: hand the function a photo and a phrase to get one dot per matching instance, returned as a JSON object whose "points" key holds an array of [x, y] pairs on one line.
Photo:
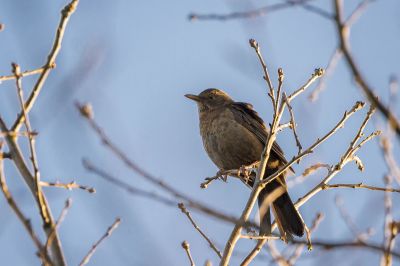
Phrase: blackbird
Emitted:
{"points": [[234, 136]]}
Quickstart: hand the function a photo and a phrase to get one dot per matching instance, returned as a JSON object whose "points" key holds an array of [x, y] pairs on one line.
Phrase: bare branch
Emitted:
{"points": [[66, 13], [343, 33], [108, 233]]}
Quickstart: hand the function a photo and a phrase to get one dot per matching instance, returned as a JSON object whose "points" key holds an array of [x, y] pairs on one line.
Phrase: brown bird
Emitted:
{"points": [[234, 136]]}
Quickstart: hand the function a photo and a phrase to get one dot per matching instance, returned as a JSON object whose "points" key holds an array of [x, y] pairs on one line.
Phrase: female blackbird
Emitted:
{"points": [[234, 136]]}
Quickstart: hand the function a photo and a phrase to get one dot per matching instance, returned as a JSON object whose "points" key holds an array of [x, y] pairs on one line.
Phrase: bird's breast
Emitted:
{"points": [[228, 143]]}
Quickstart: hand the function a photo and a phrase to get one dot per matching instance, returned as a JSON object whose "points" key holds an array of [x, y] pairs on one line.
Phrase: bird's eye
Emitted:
{"points": [[211, 96]]}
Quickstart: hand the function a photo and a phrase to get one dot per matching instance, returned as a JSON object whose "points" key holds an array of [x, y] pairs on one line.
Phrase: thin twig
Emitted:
{"points": [[60, 219], [297, 253], [386, 259], [254, 44], [337, 54], [32, 150], [293, 124], [185, 245], [23, 74], [262, 11], [212, 245], [69, 186], [360, 185], [108, 233], [357, 12], [347, 218]]}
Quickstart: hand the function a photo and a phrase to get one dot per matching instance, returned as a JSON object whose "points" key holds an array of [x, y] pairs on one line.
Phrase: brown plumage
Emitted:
{"points": [[233, 136]]}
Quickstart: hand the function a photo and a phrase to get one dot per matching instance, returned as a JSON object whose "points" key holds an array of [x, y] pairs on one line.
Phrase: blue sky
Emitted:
{"points": [[134, 61]]}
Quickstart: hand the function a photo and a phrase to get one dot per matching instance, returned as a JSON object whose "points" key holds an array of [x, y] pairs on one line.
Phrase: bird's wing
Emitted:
{"points": [[245, 115]]}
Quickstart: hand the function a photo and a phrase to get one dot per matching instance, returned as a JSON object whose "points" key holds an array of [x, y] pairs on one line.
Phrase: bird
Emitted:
{"points": [[234, 135]]}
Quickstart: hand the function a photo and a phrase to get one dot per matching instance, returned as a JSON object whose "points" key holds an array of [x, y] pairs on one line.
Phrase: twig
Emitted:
{"points": [[340, 124], [343, 33], [60, 219], [162, 199], [349, 244], [44, 256], [297, 253], [69, 186], [360, 185], [337, 54], [108, 233], [313, 168], [212, 245], [66, 13], [254, 44], [24, 74], [394, 231], [293, 124], [261, 11], [347, 218], [186, 247], [272, 237], [386, 259], [386, 147], [357, 12], [33, 158]]}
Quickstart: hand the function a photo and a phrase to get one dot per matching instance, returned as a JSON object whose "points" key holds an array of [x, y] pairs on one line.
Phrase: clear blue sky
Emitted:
{"points": [[134, 61]]}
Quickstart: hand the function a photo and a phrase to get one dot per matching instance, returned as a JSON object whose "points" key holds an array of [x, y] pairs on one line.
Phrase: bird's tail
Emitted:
{"points": [[287, 217]]}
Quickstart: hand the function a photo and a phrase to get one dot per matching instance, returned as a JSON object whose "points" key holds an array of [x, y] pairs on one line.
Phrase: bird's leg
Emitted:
{"points": [[245, 171]]}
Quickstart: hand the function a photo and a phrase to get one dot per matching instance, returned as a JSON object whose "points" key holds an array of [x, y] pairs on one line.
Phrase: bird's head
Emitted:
{"points": [[210, 99]]}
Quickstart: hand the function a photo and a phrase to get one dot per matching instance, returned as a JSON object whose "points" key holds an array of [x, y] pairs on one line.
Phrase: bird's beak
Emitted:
{"points": [[193, 97]]}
